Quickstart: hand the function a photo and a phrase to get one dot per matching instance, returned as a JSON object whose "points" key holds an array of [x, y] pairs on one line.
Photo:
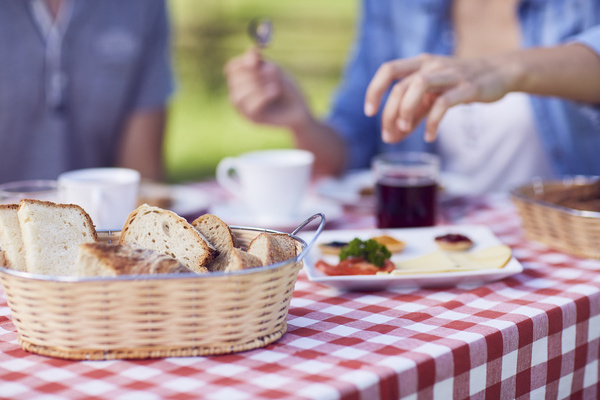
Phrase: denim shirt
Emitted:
{"points": [[392, 29]]}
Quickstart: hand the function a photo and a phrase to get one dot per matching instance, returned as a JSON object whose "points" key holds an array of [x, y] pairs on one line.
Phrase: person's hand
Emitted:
{"points": [[263, 93], [428, 86]]}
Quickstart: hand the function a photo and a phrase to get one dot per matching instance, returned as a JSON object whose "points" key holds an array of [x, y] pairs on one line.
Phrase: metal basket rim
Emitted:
{"points": [[579, 179], [153, 277]]}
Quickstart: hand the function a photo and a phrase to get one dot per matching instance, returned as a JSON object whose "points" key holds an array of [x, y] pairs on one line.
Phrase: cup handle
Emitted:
{"points": [[224, 169], [97, 201]]}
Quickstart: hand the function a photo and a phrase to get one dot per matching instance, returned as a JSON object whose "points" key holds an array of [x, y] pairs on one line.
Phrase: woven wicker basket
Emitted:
{"points": [[554, 213], [155, 316]]}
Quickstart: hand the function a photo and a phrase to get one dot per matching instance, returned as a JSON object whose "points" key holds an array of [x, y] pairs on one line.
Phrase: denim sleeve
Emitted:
{"points": [[590, 37], [155, 84], [360, 133]]}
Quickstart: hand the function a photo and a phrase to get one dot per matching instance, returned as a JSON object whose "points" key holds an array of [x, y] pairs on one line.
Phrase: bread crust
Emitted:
{"points": [[239, 260], [166, 232], [104, 259], [51, 233], [273, 248], [11, 241], [218, 233]]}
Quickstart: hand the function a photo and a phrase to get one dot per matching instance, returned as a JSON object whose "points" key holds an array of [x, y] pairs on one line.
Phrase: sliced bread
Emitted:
{"points": [[238, 260], [219, 235], [166, 232], [11, 241], [52, 234], [104, 259], [272, 248]]}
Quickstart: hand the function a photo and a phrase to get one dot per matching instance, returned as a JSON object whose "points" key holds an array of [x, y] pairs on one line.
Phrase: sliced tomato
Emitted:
{"points": [[353, 266]]}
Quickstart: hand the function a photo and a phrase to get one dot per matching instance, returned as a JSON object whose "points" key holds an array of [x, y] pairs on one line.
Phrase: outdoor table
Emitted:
{"points": [[534, 335]]}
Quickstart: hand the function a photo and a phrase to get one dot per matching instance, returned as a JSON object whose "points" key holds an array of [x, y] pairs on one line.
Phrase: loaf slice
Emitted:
{"points": [[220, 236], [52, 234], [167, 233], [238, 260], [272, 248], [104, 259], [11, 241]]}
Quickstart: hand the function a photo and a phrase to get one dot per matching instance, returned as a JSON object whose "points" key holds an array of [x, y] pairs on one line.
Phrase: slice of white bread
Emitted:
{"points": [[166, 232], [238, 260], [11, 241], [272, 248], [220, 236], [52, 234], [104, 259]]}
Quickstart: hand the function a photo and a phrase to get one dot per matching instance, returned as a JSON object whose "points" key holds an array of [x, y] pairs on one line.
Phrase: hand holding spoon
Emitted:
{"points": [[261, 31]]}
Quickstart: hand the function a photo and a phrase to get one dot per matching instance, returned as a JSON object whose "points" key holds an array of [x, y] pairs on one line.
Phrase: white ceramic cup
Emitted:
{"points": [[108, 195], [270, 184]]}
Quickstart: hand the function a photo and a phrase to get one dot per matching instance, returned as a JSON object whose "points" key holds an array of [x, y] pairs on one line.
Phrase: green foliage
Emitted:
{"points": [[311, 41], [369, 250]]}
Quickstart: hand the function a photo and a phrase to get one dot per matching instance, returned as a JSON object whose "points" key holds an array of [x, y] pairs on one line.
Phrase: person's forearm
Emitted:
{"points": [[141, 146], [570, 71], [324, 142]]}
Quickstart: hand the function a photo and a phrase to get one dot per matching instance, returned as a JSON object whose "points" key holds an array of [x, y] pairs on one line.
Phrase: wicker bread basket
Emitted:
{"points": [[562, 214], [154, 316]]}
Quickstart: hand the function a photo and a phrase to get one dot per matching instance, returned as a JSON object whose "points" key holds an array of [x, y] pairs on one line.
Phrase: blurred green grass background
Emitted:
{"points": [[311, 41]]}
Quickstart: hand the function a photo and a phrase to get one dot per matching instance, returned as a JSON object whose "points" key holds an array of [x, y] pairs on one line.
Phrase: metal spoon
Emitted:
{"points": [[261, 31]]}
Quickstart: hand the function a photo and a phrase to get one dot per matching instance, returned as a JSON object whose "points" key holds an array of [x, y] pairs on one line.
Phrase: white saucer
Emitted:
{"points": [[347, 189], [236, 214]]}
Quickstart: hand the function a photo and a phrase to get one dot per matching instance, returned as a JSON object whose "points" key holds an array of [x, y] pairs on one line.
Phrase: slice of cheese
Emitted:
{"points": [[440, 261]]}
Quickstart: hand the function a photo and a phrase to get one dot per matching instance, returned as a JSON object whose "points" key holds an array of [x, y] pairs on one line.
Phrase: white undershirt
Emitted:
{"points": [[492, 147]]}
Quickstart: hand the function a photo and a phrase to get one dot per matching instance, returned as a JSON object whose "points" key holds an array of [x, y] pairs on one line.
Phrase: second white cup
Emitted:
{"points": [[108, 195], [271, 184]]}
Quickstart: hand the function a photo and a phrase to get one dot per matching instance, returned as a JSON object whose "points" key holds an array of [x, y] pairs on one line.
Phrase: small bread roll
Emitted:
{"points": [[393, 245], [454, 242]]}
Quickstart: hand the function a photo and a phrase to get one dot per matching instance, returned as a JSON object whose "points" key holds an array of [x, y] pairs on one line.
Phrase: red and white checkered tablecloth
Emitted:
{"points": [[535, 335]]}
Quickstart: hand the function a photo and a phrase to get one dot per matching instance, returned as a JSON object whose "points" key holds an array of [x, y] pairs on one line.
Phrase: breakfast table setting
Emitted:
{"points": [[526, 329]]}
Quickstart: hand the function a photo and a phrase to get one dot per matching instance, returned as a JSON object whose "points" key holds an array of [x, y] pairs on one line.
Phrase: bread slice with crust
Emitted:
{"points": [[238, 260], [104, 259], [11, 241], [166, 232], [220, 236], [52, 234], [272, 248]]}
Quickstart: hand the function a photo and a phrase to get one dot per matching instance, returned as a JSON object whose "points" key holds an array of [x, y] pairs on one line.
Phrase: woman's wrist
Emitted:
{"points": [[513, 72]]}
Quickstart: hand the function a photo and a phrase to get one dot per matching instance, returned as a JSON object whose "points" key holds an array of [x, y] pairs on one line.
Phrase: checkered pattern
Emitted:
{"points": [[535, 335]]}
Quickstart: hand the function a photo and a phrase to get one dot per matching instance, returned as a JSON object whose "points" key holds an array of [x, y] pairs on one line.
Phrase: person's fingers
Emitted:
{"points": [[242, 90], [418, 87], [251, 59], [424, 108], [390, 132], [465, 93], [254, 104], [384, 77], [240, 76]]}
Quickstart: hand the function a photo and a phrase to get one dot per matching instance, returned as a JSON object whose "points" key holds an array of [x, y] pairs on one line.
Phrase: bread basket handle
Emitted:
{"points": [[314, 238]]}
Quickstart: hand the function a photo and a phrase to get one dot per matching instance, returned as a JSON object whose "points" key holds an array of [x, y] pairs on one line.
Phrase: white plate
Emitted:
{"points": [[419, 241], [189, 200], [236, 214], [346, 189]]}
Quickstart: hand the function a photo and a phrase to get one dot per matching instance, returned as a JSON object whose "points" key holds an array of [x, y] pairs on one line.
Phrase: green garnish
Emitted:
{"points": [[369, 250]]}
